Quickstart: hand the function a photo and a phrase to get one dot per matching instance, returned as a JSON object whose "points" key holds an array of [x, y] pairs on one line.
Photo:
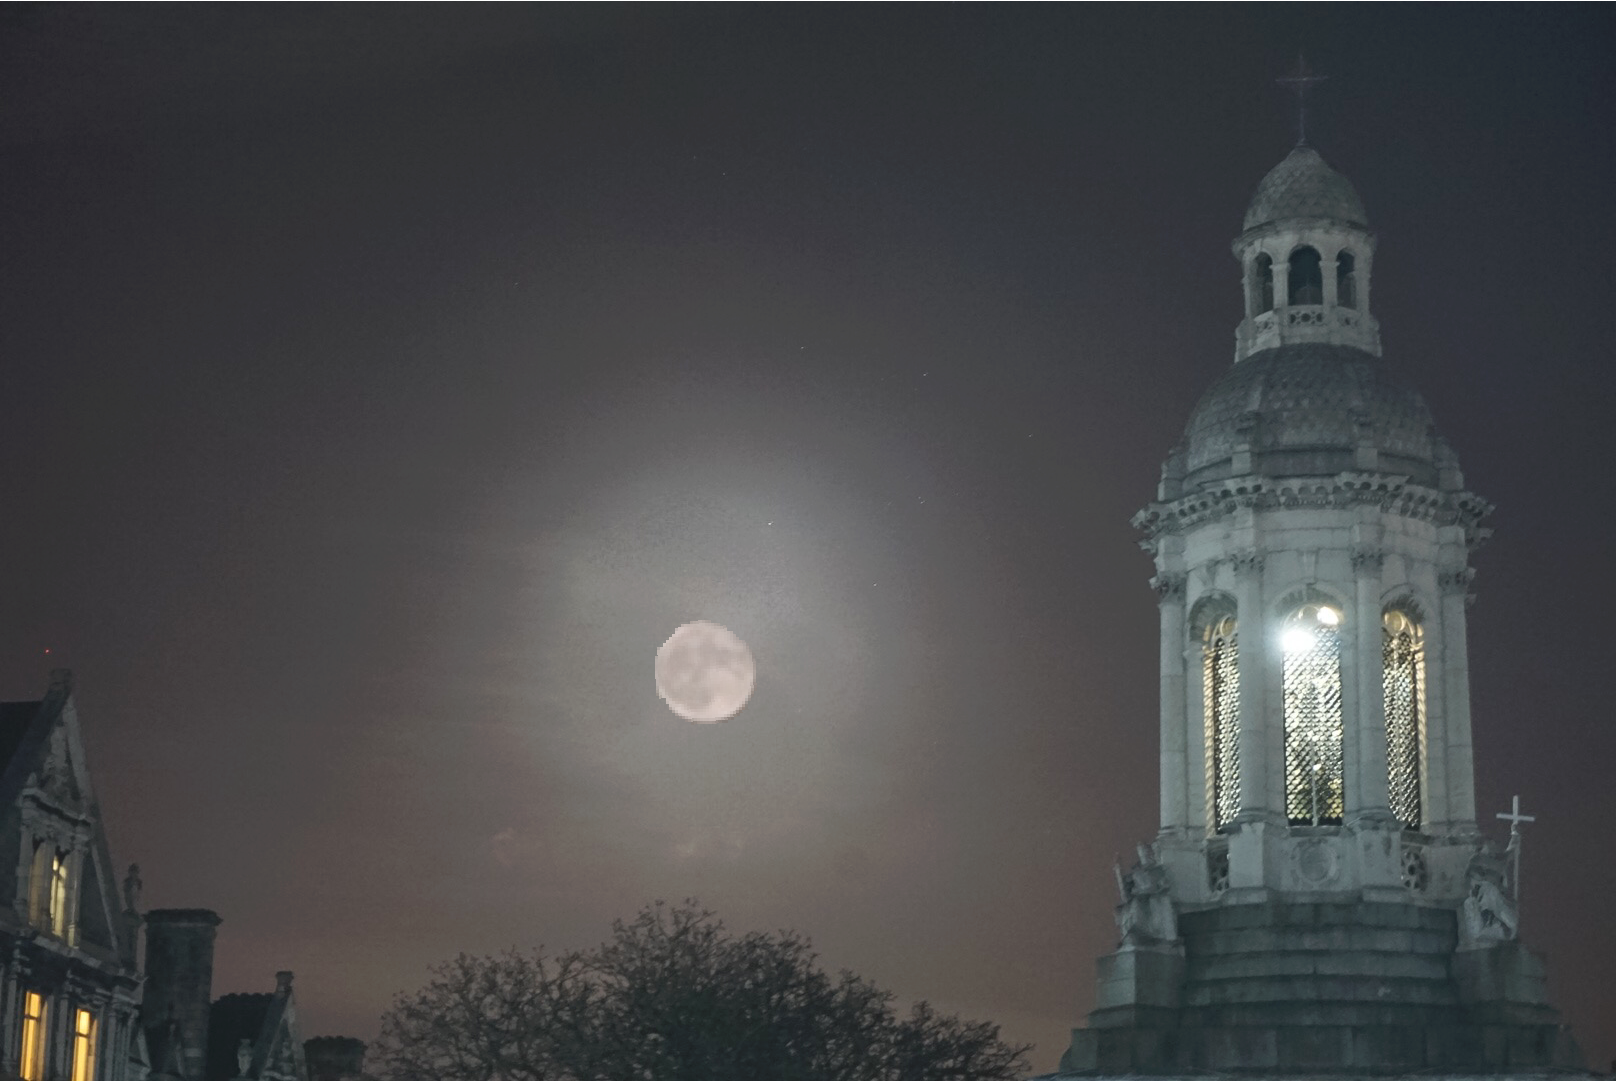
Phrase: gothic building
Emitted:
{"points": [[74, 1003], [69, 986], [1319, 897]]}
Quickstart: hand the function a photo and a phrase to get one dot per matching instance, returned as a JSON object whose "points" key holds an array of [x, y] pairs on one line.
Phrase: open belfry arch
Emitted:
{"points": [[1319, 897]]}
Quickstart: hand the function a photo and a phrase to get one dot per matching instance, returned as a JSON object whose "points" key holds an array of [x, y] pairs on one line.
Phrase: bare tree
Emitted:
{"points": [[673, 995]]}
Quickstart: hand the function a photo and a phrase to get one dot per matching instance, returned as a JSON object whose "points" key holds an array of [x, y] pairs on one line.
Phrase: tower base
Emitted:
{"points": [[1288, 989]]}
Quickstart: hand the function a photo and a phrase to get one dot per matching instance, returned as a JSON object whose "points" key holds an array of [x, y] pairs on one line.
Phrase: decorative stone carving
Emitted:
{"points": [[1416, 876], [1247, 563], [1145, 915], [1217, 869], [1389, 493], [1456, 582], [1169, 587], [1487, 915], [1317, 863], [1368, 561]]}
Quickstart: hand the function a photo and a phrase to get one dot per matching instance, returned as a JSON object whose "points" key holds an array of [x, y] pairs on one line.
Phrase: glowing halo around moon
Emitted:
{"points": [[704, 672]]}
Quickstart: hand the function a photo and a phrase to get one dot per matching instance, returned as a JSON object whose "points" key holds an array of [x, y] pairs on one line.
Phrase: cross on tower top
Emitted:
{"points": [[1515, 817], [1300, 82], [1514, 851]]}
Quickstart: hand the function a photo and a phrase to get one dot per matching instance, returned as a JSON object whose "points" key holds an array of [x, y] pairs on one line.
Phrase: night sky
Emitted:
{"points": [[379, 388]]}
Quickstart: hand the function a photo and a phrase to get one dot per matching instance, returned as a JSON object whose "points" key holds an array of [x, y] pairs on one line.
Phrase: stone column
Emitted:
{"points": [[1434, 781], [1461, 769], [1372, 799], [75, 883], [1174, 746], [1255, 784]]}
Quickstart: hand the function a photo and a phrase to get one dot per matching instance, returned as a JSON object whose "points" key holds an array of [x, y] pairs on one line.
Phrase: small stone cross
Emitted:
{"points": [[1515, 820], [1300, 82]]}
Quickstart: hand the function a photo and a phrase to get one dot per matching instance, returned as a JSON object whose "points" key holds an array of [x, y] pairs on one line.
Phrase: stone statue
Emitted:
{"points": [[131, 890], [1146, 915], [1487, 915]]}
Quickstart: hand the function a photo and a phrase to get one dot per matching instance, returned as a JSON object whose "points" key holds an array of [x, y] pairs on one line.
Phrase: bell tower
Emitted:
{"points": [[1318, 896], [1305, 257], [1312, 538]]}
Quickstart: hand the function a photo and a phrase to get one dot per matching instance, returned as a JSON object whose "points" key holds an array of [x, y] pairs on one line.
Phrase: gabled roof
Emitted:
{"points": [[267, 1023], [40, 745]]}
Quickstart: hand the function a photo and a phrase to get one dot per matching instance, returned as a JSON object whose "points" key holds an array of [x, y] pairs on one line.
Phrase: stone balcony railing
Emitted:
{"points": [[1307, 323]]}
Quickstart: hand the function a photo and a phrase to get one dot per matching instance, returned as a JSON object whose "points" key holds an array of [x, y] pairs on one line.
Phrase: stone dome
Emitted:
{"points": [[1304, 410], [1304, 186]]}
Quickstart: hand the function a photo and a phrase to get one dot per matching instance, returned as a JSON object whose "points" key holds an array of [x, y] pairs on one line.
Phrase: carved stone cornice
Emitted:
{"points": [[1391, 494], [1169, 588]]}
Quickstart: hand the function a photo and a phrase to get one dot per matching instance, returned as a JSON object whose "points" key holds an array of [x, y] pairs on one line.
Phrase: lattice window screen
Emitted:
{"points": [[1403, 657], [1221, 695], [1313, 750]]}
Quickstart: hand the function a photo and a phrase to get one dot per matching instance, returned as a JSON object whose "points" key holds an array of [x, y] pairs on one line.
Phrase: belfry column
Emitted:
{"points": [[1456, 702], [1254, 737], [1373, 800], [1174, 742]]}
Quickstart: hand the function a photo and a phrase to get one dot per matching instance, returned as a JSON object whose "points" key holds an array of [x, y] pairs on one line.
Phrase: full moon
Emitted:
{"points": [[704, 672]]}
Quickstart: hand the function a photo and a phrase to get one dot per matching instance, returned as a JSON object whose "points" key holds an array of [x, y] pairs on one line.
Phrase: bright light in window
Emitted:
{"points": [[1328, 616], [1297, 640], [31, 1060], [83, 1045]]}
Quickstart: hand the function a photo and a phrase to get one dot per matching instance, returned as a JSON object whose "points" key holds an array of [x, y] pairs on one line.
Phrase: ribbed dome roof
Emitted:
{"points": [[1304, 186], [1303, 409]]}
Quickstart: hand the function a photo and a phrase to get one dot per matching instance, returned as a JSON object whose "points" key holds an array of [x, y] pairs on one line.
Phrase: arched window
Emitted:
{"points": [[1403, 659], [1262, 285], [1346, 280], [1306, 277], [1220, 684], [1311, 641]]}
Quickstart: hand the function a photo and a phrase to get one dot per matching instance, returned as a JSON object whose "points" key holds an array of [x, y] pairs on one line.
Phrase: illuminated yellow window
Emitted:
{"points": [[83, 1045], [31, 1061], [58, 895]]}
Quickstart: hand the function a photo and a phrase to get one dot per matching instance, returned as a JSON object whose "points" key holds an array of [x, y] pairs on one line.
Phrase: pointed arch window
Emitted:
{"points": [[1346, 280], [1306, 285], [1403, 665], [1220, 697], [1262, 284], [1310, 638]]}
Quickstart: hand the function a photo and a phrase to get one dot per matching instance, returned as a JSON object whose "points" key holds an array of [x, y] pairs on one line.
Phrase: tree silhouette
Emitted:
{"points": [[673, 995]]}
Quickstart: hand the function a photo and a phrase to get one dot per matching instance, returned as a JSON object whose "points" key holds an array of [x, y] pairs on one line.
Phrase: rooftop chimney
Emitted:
{"points": [[179, 978]]}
